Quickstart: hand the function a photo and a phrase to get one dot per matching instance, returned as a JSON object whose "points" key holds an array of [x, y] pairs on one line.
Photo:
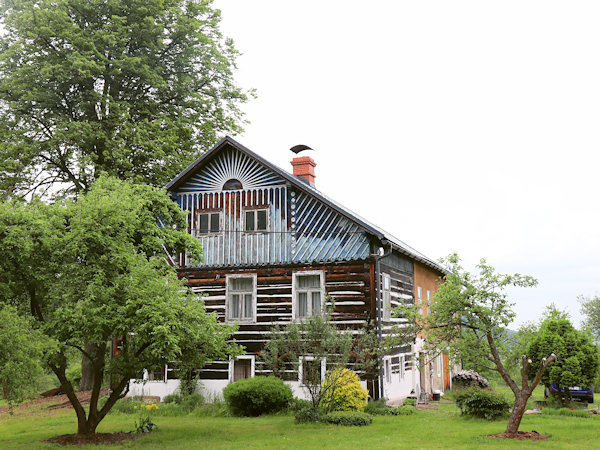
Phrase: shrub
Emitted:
{"points": [[482, 404], [406, 410], [379, 408], [342, 392], [410, 402], [308, 414], [172, 398], [348, 418], [256, 396]]}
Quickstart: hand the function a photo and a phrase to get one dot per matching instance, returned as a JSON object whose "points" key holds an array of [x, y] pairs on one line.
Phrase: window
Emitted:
{"points": [[256, 220], [419, 295], [232, 185], [428, 301], [388, 372], [308, 291], [312, 370], [241, 298], [241, 368], [386, 297], [157, 374], [208, 223]]}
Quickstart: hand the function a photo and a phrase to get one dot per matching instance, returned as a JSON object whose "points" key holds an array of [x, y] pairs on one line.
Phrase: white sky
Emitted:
{"points": [[467, 126]]}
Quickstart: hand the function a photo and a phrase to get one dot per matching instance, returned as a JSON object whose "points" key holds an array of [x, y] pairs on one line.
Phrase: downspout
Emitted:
{"points": [[378, 301]]}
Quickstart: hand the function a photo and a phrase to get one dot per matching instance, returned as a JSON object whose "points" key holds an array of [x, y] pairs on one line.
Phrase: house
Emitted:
{"points": [[274, 247]]}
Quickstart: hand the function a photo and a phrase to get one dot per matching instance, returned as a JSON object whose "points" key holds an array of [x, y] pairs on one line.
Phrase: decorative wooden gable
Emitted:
{"points": [[247, 212]]}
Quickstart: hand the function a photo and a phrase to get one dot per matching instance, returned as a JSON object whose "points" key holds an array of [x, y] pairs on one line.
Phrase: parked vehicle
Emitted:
{"points": [[577, 392]]}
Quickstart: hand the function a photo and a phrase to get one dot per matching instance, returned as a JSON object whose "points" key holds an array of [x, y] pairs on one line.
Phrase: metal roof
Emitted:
{"points": [[376, 231]]}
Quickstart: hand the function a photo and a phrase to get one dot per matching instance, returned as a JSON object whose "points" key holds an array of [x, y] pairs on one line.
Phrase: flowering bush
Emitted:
{"points": [[342, 392]]}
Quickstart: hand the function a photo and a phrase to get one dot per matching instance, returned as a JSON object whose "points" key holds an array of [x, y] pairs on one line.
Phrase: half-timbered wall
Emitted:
{"points": [[348, 283]]}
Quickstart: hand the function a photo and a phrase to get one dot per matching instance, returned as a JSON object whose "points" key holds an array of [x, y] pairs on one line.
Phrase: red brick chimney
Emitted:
{"points": [[304, 168]]}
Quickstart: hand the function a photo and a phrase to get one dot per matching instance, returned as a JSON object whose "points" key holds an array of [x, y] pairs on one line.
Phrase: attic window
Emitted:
{"points": [[232, 185]]}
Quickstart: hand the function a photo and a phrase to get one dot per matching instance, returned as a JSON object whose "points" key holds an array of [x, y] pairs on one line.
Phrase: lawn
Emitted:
{"points": [[438, 427]]}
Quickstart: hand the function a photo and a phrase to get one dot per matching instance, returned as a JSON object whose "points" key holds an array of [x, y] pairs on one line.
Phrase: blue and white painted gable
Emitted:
{"points": [[301, 228]]}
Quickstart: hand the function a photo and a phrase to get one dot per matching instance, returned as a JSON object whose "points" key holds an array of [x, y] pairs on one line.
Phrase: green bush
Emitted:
{"points": [[405, 410], [172, 398], [308, 414], [256, 396], [348, 418], [482, 403], [410, 402], [379, 408], [342, 392]]}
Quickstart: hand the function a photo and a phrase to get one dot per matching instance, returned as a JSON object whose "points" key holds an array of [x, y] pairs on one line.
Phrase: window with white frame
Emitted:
{"points": [[157, 373], [388, 371], [419, 295], [241, 368], [241, 298], [208, 222], [428, 301], [386, 297], [256, 220], [311, 370], [308, 292]]}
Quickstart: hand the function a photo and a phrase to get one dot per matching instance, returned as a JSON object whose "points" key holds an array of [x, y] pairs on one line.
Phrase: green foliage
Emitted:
{"points": [[342, 392], [577, 357], [133, 89], [410, 402], [256, 396], [144, 425], [406, 410], [349, 418], [379, 408], [567, 412], [313, 340], [21, 351], [308, 414], [93, 269], [482, 403], [590, 308]]}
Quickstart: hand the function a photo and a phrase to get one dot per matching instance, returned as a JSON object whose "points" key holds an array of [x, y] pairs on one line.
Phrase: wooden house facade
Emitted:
{"points": [[274, 249]]}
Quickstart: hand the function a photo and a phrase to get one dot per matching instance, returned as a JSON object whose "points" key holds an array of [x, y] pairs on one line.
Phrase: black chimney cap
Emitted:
{"points": [[299, 148]]}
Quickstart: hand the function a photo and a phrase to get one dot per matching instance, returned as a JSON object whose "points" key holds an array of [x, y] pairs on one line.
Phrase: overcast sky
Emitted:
{"points": [[467, 126]]}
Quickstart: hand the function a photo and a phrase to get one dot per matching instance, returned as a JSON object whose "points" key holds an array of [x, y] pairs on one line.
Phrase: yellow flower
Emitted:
{"points": [[135, 407]]}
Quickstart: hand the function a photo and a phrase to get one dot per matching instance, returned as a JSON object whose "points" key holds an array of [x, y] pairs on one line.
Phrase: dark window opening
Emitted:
{"points": [[232, 185], [256, 220], [208, 223], [242, 369]]}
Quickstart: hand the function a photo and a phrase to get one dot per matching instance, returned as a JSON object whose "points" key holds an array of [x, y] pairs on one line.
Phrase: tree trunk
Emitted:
{"points": [[87, 371], [517, 413]]}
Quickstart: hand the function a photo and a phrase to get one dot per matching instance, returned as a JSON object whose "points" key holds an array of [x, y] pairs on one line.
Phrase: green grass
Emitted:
{"points": [[442, 427]]}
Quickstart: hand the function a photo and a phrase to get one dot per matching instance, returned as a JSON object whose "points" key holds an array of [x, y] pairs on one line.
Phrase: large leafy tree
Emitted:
{"points": [[590, 307], [577, 356], [469, 319], [103, 256], [21, 350], [133, 88]]}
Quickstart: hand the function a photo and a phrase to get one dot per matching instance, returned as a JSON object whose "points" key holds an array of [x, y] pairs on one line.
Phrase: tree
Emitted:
{"points": [[21, 351], [577, 356], [469, 316], [110, 279], [136, 89], [590, 308], [305, 347]]}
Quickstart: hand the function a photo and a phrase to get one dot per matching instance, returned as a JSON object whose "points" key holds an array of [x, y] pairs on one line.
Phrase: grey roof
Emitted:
{"points": [[368, 226]]}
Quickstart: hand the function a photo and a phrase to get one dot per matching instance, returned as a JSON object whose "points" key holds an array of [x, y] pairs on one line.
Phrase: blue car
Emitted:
{"points": [[577, 392]]}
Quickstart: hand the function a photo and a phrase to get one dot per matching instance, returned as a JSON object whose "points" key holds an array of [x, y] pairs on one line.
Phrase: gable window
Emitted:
{"points": [[241, 298], [208, 223], [308, 289], [232, 185], [387, 288], [256, 220]]}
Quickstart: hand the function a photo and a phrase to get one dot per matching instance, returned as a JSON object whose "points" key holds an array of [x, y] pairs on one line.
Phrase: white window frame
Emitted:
{"points": [[254, 210], [232, 360], [295, 275], [386, 297], [419, 295], [428, 301], [209, 232], [146, 376], [387, 369], [311, 358], [227, 298]]}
